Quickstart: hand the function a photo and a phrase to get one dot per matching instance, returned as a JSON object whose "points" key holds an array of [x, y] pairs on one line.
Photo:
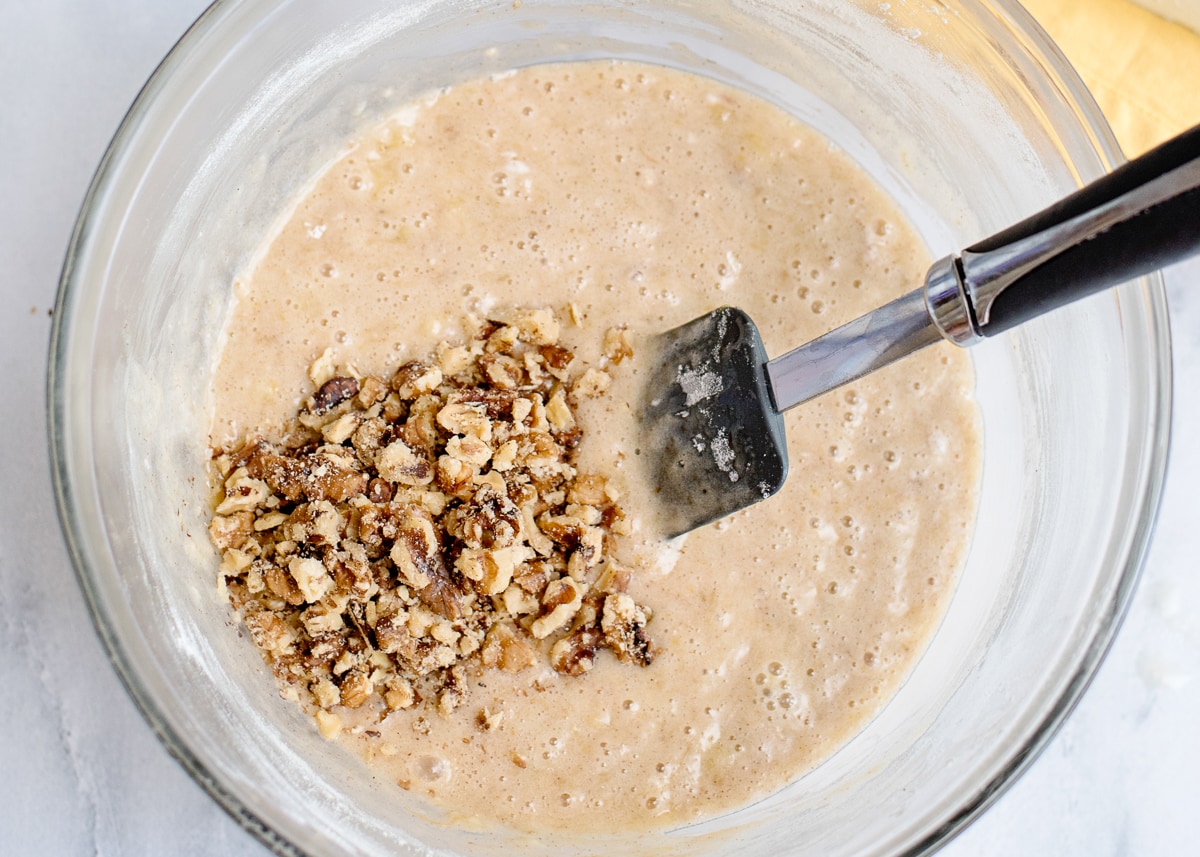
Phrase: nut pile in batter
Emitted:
{"points": [[408, 534]]}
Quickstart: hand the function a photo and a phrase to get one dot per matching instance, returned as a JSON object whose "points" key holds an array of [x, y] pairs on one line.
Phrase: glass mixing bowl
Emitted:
{"points": [[963, 111]]}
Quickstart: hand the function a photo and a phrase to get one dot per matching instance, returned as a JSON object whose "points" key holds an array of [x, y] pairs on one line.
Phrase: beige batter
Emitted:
{"points": [[645, 197]]}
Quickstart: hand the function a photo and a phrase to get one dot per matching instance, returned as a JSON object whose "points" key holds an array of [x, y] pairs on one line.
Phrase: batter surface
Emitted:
{"points": [[634, 195]]}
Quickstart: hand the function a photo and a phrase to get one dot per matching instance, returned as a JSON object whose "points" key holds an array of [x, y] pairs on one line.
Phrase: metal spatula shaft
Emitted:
{"points": [[712, 410]]}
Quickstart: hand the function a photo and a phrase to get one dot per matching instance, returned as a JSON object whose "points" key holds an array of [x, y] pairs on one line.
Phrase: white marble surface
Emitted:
{"points": [[81, 773]]}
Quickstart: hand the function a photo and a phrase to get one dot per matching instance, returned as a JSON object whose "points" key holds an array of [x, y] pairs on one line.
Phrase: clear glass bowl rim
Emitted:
{"points": [[66, 319]]}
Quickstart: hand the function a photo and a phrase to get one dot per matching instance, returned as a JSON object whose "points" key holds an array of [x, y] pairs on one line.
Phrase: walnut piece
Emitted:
{"points": [[407, 535], [332, 393], [624, 626]]}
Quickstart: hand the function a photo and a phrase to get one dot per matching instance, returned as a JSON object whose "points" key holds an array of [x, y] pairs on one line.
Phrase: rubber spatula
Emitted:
{"points": [[712, 413]]}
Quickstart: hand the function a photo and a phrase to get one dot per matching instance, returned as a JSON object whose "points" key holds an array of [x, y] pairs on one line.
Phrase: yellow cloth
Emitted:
{"points": [[1144, 71]]}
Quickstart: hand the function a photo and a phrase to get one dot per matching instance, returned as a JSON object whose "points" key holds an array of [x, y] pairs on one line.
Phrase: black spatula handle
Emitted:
{"points": [[1139, 218]]}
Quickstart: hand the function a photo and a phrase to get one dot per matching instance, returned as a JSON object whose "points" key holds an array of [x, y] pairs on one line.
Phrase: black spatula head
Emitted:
{"points": [[714, 439]]}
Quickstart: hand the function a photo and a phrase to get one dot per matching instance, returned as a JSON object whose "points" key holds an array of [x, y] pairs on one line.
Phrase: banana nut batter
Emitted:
{"points": [[637, 197]]}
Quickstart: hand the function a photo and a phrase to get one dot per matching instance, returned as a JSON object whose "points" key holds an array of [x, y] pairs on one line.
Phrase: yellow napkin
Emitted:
{"points": [[1144, 71]]}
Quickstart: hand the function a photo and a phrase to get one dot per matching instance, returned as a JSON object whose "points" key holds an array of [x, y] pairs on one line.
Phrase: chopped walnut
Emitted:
{"points": [[242, 493], [409, 534], [356, 689], [399, 693], [370, 391], [454, 360], [575, 654], [558, 414], [592, 383], [400, 463], [492, 569], [624, 626], [466, 418], [329, 724], [413, 379], [321, 369], [488, 721], [560, 603], [332, 393], [310, 577], [616, 344], [538, 327], [231, 531], [506, 648], [502, 371], [340, 429]]}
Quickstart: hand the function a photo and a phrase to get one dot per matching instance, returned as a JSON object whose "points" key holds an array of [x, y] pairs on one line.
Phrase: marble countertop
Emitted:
{"points": [[84, 774]]}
